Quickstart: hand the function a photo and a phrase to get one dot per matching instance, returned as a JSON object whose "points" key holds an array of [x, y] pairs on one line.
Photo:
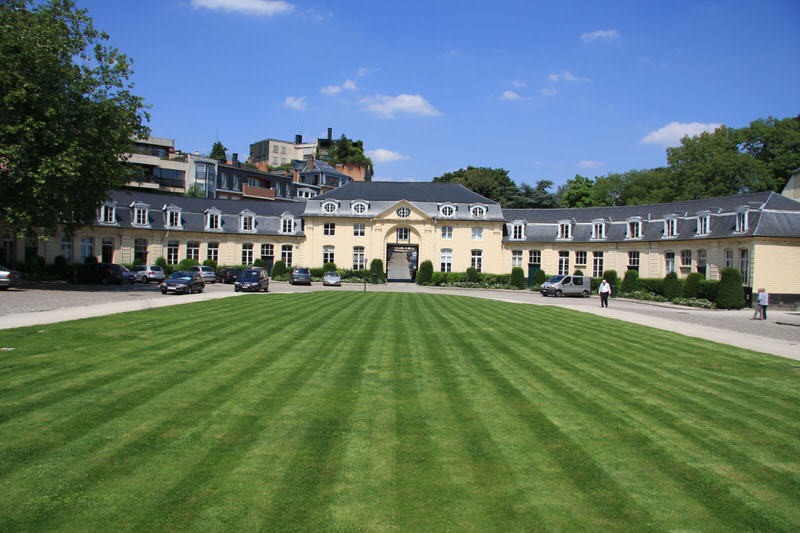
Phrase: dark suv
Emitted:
{"points": [[300, 275], [252, 279], [228, 275]]}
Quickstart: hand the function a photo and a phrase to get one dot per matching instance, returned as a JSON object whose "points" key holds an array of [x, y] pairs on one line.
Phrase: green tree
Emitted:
{"points": [[218, 151], [776, 144], [278, 269], [424, 273], [577, 192], [634, 187], [630, 280], [527, 197], [671, 286], [68, 115], [346, 150], [518, 277], [493, 183]]}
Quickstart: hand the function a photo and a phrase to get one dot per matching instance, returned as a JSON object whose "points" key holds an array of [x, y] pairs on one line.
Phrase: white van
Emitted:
{"points": [[567, 286]]}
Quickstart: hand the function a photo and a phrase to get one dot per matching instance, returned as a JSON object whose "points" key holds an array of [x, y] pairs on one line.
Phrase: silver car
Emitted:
{"points": [[9, 278], [332, 278], [567, 286], [208, 274], [148, 273]]}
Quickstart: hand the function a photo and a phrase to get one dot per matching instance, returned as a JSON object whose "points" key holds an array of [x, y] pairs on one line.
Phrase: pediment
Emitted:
{"points": [[415, 213]]}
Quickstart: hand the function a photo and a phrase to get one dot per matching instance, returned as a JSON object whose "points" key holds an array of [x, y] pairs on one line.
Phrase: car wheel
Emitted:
{"points": [[200, 290], [145, 280], [585, 294], [235, 289], [558, 294], [163, 292]]}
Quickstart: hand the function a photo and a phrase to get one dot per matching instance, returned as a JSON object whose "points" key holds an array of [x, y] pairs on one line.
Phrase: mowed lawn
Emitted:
{"points": [[366, 411]]}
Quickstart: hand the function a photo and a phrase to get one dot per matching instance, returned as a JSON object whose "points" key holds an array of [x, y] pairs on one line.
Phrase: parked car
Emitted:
{"points": [[184, 282], [228, 275], [252, 279], [148, 273], [110, 273], [208, 274], [567, 286], [332, 278], [300, 275], [9, 278]]}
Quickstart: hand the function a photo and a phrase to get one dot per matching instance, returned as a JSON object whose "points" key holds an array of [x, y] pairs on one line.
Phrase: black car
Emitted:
{"points": [[300, 275], [109, 273], [228, 275], [183, 282], [252, 279]]}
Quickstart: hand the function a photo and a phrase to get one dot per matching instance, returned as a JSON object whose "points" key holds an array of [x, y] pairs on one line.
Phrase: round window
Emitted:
{"points": [[359, 209], [478, 211], [330, 207], [404, 212], [448, 211]]}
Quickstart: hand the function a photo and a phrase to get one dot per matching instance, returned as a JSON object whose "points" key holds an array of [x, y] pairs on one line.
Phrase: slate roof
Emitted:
{"points": [[267, 214], [391, 191]]}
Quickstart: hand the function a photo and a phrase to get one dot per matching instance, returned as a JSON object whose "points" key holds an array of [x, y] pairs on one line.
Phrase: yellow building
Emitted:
{"points": [[453, 227]]}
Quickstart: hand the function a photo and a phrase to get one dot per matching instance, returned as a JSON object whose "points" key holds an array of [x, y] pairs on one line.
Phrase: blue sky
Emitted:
{"points": [[545, 90]]}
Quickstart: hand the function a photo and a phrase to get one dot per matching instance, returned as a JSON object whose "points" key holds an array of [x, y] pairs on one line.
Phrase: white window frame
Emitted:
{"points": [[634, 260], [212, 251], [328, 254], [634, 228], [108, 213], [359, 230], [478, 211], [729, 258], [247, 253], [518, 231], [66, 248], [288, 225], [329, 228], [563, 263], [447, 233], [267, 250], [330, 208], [744, 265], [669, 262], [447, 211], [477, 234], [446, 260], [173, 212], [286, 254], [597, 264], [534, 257], [598, 230], [703, 223], [742, 220], [581, 255], [564, 230], [686, 258], [213, 219], [516, 258], [173, 252], [476, 260], [670, 227], [359, 208], [247, 221], [359, 258], [405, 236]]}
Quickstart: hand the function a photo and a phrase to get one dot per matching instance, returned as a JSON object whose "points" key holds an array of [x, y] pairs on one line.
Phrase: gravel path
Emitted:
{"points": [[41, 303]]}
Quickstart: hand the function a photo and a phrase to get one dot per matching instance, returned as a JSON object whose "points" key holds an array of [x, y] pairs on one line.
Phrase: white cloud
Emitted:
{"points": [[385, 156], [298, 104], [591, 164], [549, 91], [509, 95], [330, 90], [451, 53], [366, 71], [249, 7], [672, 133], [565, 75], [519, 84], [385, 106], [600, 35]]}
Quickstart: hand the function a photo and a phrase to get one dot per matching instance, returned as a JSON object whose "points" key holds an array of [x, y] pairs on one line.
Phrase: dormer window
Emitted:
{"points": [[359, 208], [634, 228], [518, 231], [598, 229], [140, 214], [330, 207], [564, 229], [248, 221], [447, 211], [670, 226], [213, 219], [703, 223], [741, 220], [478, 211], [108, 213], [287, 224], [173, 216], [403, 212]]}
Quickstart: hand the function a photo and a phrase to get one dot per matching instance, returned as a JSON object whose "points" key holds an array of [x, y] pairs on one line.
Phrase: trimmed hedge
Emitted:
{"points": [[629, 281], [210, 263], [539, 277], [376, 269], [472, 275], [437, 278], [278, 269], [671, 286], [185, 264], [731, 292], [610, 276], [424, 273], [518, 277], [690, 286], [328, 267]]}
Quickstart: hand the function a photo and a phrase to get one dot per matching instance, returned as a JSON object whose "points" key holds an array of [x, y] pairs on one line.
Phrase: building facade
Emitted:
{"points": [[453, 227]]}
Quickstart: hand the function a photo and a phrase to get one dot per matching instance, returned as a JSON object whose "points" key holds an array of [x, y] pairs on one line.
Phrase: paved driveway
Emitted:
{"points": [[44, 303]]}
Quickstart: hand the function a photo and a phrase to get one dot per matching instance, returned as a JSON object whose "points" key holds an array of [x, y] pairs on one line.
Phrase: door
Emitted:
{"points": [[532, 268], [269, 260]]}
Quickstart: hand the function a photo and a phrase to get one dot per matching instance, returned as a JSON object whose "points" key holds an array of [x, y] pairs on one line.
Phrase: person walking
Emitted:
{"points": [[757, 314], [604, 291], [763, 301]]}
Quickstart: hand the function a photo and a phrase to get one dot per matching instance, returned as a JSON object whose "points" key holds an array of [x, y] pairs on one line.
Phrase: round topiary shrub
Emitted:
{"points": [[278, 269], [691, 285], [160, 261], [731, 292], [210, 263], [186, 263], [629, 281], [610, 276], [328, 267], [539, 277], [472, 275], [138, 261], [518, 277], [578, 273], [670, 286], [259, 263], [424, 273]]}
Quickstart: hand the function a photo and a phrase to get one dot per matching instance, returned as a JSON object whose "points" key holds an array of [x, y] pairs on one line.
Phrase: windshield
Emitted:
{"points": [[181, 275], [331, 275], [555, 279], [303, 271], [248, 276]]}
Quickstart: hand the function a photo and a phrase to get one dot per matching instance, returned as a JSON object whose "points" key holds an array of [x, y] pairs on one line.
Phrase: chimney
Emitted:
{"points": [[298, 139], [330, 134], [296, 176], [310, 166], [235, 159]]}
